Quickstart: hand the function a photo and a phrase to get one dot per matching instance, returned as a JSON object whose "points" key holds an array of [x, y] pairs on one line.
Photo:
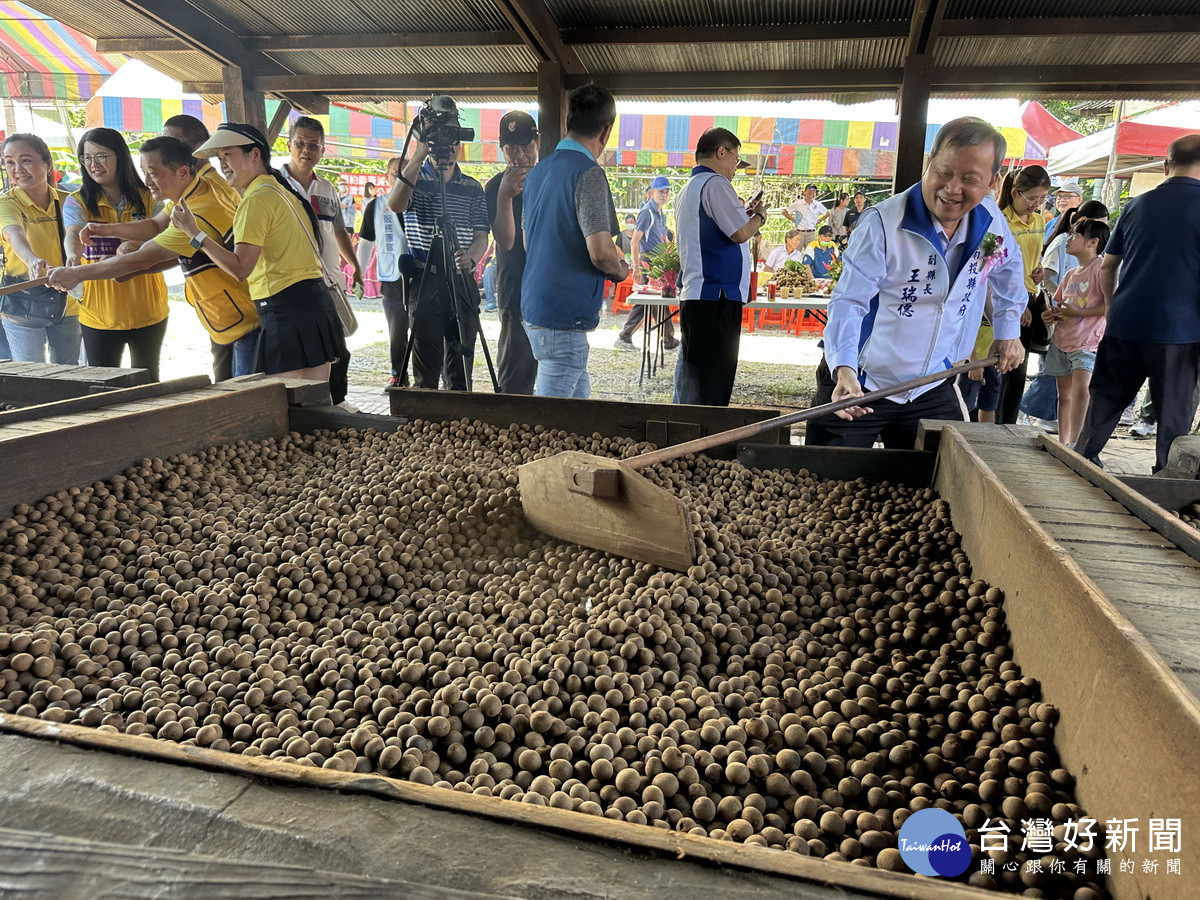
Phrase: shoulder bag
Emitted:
{"points": [[337, 288], [42, 302]]}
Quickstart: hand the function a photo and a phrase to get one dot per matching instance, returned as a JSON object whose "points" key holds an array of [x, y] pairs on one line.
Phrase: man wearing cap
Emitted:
{"points": [[857, 205], [806, 213], [714, 254], [820, 254], [649, 231], [570, 222], [443, 338], [516, 369], [1069, 196]]}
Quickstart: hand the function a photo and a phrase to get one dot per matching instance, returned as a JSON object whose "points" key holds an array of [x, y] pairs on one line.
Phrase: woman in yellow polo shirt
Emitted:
{"points": [[276, 251], [1022, 195], [31, 231], [114, 315]]}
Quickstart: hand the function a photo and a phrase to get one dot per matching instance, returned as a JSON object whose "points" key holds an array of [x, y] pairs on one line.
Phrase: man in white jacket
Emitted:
{"points": [[911, 296]]}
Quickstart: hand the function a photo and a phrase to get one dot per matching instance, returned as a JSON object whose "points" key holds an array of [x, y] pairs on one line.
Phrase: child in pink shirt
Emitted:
{"points": [[1077, 316]]}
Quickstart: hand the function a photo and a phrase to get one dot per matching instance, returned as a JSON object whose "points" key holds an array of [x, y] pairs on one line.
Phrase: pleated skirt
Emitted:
{"points": [[300, 328]]}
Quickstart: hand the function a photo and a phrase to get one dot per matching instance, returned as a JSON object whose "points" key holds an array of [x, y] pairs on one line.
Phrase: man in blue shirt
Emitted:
{"points": [[570, 221], [1154, 314], [714, 228], [649, 231]]}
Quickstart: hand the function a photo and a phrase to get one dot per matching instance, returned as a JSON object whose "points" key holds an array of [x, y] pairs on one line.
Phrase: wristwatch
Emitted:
{"points": [[198, 241]]}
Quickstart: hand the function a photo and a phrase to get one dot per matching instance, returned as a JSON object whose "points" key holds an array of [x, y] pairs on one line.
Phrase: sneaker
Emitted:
{"points": [[491, 308], [1127, 417], [1143, 429], [670, 344], [348, 407], [1050, 426], [394, 381], [623, 343]]}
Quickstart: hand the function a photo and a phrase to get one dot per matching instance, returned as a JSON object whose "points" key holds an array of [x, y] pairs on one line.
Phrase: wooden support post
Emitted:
{"points": [[914, 110], [278, 120], [552, 106], [241, 103]]}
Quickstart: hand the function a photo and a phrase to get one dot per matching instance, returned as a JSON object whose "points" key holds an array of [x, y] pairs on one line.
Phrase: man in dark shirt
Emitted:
{"points": [[516, 369], [1154, 314]]}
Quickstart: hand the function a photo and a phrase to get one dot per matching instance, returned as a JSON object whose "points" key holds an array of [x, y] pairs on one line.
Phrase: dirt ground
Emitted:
{"points": [[776, 368]]}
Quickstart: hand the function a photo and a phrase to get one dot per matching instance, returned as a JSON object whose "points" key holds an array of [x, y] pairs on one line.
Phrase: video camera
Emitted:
{"points": [[439, 127]]}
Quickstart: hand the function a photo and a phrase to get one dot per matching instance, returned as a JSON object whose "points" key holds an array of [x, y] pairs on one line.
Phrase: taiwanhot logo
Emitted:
{"points": [[932, 842]]}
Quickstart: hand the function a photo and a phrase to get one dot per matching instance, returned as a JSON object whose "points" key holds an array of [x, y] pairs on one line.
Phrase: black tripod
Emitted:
{"points": [[442, 261]]}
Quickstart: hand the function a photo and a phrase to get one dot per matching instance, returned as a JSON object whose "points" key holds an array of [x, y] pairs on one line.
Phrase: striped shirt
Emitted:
{"points": [[465, 204]]}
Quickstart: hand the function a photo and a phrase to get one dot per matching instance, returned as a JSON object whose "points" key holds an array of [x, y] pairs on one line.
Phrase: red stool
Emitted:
{"points": [[621, 294]]}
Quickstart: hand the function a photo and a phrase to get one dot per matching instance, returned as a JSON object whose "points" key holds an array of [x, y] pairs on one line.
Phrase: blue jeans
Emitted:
{"points": [[27, 339], [562, 362], [245, 353], [5, 353], [489, 288]]}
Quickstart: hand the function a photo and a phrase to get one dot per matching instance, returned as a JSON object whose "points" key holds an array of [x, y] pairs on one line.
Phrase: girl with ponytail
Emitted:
{"points": [[277, 251]]}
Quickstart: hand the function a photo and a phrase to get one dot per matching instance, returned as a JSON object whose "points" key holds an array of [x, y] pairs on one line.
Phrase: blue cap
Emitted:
{"points": [[659, 183]]}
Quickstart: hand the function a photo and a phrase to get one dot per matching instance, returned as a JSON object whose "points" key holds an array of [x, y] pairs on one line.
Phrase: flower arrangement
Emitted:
{"points": [[993, 251], [663, 264]]}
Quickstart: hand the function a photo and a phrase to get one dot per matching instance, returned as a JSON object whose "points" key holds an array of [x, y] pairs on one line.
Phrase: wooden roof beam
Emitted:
{"points": [[215, 39], [536, 26]]}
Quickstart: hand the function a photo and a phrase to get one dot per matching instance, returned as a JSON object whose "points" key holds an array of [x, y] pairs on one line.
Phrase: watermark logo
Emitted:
{"points": [[932, 842]]}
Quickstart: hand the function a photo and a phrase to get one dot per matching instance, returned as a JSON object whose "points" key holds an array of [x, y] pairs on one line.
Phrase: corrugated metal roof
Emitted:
{"points": [[264, 18], [1079, 50], [625, 14], [411, 61], [770, 56], [260, 18], [1033, 9]]}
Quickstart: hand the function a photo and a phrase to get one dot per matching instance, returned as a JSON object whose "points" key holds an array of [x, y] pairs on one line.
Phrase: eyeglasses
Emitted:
{"points": [[99, 159], [1033, 201], [305, 145]]}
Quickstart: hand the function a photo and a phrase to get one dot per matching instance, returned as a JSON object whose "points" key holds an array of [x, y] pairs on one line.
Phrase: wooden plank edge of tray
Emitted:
{"points": [[1129, 727], [104, 399], [1182, 536], [687, 847]]}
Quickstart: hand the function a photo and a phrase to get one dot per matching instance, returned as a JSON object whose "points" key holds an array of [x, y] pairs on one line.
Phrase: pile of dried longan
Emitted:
{"points": [[373, 602], [1190, 515]]}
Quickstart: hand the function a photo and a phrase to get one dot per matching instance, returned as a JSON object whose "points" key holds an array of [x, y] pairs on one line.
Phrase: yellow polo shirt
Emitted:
{"points": [[272, 218], [41, 230], [1029, 234], [222, 303], [121, 306]]}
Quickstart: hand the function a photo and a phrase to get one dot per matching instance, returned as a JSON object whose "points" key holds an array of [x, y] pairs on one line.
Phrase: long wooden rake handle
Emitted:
{"points": [[758, 428], [24, 285]]}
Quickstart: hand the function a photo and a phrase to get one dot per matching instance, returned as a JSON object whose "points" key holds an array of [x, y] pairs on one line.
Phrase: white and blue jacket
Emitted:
{"points": [[901, 311]]}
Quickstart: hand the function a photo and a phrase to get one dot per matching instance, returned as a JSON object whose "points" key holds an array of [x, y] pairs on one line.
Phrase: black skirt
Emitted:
{"points": [[300, 328]]}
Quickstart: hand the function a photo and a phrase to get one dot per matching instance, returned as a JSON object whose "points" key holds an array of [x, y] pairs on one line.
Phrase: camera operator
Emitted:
{"points": [[438, 346]]}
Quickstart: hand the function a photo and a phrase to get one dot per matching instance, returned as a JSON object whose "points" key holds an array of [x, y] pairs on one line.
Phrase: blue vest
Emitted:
{"points": [[561, 289]]}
